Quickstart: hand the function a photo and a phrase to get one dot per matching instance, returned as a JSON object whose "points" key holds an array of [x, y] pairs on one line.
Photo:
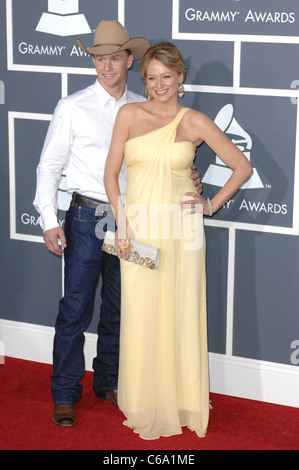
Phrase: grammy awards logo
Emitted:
{"points": [[217, 174], [63, 19]]}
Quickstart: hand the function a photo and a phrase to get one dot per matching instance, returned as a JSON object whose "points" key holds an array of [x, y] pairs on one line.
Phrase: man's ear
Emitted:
{"points": [[130, 61]]}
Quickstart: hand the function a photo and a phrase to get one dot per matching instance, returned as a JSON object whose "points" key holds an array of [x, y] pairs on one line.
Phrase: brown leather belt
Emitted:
{"points": [[87, 201]]}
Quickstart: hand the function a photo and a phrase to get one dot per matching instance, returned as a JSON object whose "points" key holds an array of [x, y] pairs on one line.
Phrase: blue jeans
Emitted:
{"points": [[84, 263]]}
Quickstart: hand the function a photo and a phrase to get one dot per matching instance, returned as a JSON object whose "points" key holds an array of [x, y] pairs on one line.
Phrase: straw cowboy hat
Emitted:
{"points": [[111, 36]]}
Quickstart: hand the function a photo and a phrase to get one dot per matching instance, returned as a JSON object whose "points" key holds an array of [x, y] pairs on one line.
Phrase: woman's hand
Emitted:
{"points": [[123, 239], [196, 181], [197, 204]]}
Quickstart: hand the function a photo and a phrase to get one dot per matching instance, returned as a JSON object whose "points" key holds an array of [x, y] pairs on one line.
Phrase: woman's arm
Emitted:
{"points": [[201, 128], [112, 169]]}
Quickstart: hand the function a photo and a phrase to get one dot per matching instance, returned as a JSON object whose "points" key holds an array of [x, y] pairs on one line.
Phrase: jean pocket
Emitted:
{"points": [[93, 222], [85, 214]]}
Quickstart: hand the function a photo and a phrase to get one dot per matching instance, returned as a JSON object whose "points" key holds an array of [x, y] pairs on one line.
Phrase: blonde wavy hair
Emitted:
{"points": [[166, 53]]}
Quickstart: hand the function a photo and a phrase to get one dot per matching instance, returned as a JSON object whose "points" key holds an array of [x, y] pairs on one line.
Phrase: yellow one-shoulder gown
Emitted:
{"points": [[163, 372]]}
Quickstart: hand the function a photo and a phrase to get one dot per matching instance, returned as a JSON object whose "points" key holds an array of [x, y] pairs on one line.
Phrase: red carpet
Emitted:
{"points": [[26, 420]]}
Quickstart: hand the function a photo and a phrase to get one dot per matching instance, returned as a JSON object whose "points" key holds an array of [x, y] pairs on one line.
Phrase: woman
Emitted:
{"points": [[163, 377]]}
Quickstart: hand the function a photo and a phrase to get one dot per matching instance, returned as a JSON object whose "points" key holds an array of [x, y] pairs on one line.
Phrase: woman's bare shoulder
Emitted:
{"points": [[193, 116], [131, 108]]}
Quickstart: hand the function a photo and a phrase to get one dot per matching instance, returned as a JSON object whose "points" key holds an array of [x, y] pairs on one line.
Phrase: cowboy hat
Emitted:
{"points": [[111, 36]]}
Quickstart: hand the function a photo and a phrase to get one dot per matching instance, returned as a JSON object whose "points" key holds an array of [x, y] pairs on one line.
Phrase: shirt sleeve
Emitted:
{"points": [[53, 158]]}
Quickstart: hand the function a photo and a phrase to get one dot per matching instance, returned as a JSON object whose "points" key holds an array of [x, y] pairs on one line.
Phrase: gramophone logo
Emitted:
{"points": [[63, 19], [217, 174]]}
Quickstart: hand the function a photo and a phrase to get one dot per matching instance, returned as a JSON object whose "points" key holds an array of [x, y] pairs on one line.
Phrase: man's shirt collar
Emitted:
{"points": [[106, 98]]}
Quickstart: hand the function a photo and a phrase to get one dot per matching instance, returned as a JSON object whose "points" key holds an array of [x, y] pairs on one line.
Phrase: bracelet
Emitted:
{"points": [[210, 207]]}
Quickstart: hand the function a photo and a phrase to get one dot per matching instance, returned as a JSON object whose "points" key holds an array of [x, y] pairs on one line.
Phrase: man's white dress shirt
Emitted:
{"points": [[78, 139]]}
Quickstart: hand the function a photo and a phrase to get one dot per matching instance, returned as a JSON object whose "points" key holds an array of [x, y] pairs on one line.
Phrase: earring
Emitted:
{"points": [[181, 90]]}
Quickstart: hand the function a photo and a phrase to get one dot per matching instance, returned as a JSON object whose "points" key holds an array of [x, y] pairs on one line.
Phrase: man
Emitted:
{"points": [[78, 139]]}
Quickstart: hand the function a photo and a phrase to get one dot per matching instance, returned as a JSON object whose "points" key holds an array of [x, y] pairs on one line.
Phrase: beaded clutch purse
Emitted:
{"points": [[140, 253]]}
